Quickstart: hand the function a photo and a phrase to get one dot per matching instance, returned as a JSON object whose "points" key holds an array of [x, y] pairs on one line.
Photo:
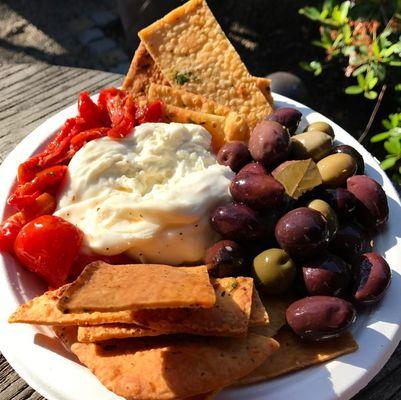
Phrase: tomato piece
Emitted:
{"points": [[47, 246], [9, 230], [90, 112], [82, 260], [151, 113], [25, 194], [84, 137]]}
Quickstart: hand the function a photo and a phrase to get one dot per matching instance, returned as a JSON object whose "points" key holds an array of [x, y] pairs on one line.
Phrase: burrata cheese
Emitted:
{"points": [[149, 195]]}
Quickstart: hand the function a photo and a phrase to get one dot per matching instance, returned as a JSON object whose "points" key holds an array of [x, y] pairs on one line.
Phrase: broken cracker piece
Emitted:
{"points": [[181, 98], [295, 354], [43, 310], [142, 72], [259, 315], [192, 51], [170, 367], [100, 333], [228, 317]]}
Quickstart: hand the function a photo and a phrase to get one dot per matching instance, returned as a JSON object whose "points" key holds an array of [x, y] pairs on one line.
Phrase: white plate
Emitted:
{"points": [[43, 362]]}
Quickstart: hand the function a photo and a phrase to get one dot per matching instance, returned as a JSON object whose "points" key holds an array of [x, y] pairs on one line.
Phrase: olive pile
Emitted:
{"points": [[302, 218]]}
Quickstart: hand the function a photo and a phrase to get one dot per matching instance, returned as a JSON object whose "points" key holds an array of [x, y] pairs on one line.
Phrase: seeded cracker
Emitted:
{"points": [[193, 52], [104, 287], [169, 367]]}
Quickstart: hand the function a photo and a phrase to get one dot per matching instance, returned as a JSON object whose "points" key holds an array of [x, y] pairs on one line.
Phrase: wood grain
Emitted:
{"points": [[30, 93]]}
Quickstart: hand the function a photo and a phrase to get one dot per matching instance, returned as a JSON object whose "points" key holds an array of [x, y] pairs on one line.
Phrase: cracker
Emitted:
{"points": [[259, 316], [295, 354], [229, 316], [142, 72], [222, 128], [105, 287], [276, 308], [43, 310], [100, 333], [181, 98], [168, 367], [214, 124], [193, 52]]}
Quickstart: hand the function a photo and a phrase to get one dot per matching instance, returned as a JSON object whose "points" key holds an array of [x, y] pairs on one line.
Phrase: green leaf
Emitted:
{"points": [[393, 146], [344, 8], [395, 63], [372, 82], [311, 13], [388, 163], [371, 94], [360, 70], [353, 90], [361, 81], [380, 137], [313, 66], [397, 87]]}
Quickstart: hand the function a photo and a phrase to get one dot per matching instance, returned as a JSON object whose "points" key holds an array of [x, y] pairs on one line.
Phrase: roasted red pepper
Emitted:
{"points": [[25, 194]]}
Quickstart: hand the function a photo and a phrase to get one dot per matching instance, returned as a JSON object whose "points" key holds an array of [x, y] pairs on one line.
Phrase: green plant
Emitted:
{"points": [[392, 142], [366, 35]]}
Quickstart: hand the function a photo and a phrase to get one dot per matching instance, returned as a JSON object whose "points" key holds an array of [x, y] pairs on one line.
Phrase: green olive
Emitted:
{"points": [[314, 145], [325, 209], [336, 168], [320, 126], [274, 271]]}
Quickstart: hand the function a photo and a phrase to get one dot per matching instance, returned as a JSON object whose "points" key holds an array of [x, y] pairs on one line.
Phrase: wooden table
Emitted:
{"points": [[30, 93]]}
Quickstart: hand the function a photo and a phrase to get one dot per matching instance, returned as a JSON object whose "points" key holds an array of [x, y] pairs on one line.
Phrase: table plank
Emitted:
{"points": [[30, 93]]}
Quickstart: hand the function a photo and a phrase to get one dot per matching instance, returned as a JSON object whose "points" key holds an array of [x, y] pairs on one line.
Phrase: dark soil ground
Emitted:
{"points": [[270, 36]]}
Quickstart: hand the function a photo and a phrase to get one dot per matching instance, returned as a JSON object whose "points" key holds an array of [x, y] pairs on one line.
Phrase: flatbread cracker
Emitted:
{"points": [[229, 316], [43, 310], [214, 124], [276, 308], [168, 367], [193, 53], [259, 315], [181, 98], [142, 72], [222, 128], [105, 287], [101, 333], [295, 354]]}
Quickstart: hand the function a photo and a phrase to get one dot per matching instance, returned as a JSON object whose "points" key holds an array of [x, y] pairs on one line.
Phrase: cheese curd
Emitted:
{"points": [[149, 195]]}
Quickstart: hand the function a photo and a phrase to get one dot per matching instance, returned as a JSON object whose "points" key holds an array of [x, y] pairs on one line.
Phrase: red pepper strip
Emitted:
{"points": [[82, 138], [28, 169], [124, 127], [151, 113], [45, 204], [91, 113], [9, 230], [112, 101], [25, 194]]}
